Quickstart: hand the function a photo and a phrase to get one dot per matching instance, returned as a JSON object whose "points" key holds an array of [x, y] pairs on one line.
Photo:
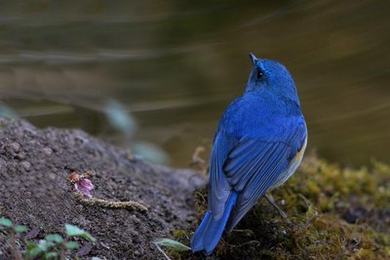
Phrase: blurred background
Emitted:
{"points": [[163, 71]]}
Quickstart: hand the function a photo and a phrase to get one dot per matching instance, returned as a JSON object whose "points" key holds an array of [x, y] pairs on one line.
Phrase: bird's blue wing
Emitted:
{"points": [[249, 166], [254, 165], [261, 171]]}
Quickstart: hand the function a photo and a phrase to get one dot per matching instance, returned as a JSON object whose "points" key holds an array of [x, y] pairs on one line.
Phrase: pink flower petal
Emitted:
{"points": [[85, 187]]}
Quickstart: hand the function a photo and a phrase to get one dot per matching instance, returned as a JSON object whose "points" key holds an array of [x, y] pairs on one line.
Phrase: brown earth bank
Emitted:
{"points": [[35, 191]]}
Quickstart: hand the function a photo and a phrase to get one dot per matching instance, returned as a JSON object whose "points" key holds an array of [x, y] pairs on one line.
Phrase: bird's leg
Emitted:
{"points": [[271, 201]]}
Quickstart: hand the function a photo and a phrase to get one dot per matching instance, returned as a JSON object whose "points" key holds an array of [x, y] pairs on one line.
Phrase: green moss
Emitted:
{"points": [[335, 213]]}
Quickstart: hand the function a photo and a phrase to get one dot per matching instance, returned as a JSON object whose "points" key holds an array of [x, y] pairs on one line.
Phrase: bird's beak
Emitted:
{"points": [[253, 58]]}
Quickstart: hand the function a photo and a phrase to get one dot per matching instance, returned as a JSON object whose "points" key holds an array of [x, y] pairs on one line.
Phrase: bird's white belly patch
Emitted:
{"points": [[294, 164]]}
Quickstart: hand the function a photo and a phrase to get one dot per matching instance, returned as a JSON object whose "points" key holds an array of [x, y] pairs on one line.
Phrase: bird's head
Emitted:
{"points": [[271, 76]]}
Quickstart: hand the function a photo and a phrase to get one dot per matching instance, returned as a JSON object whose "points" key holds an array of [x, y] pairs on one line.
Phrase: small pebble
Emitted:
{"points": [[47, 151], [20, 156], [15, 147], [26, 165], [79, 207]]}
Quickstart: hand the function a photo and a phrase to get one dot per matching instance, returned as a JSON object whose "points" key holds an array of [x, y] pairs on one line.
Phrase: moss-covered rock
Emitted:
{"points": [[334, 213]]}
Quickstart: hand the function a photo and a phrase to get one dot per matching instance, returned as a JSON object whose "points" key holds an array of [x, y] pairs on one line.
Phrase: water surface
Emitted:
{"points": [[177, 64]]}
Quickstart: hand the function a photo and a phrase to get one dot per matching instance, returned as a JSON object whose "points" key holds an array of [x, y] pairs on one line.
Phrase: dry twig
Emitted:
{"points": [[129, 205]]}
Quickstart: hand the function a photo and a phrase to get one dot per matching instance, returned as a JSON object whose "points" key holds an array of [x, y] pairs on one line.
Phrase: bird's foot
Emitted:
{"points": [[271, 201]]}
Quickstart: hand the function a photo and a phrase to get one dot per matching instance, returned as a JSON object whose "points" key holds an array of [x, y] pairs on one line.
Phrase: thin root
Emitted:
{"points": [[162, 252]]}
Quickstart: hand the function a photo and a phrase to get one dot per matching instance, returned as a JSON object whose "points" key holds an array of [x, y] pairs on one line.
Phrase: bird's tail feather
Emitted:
{"points": [[210, 230]]}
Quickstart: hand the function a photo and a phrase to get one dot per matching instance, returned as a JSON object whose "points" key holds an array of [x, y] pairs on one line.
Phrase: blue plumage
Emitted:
{"points": [[258, 145], [211, 228]]}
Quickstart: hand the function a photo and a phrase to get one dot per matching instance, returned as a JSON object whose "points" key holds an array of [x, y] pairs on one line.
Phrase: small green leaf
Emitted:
{"points": [[173, 244], [20, 229], [71, 245], [33, 250], [74, 231], [51, 255], [56, 238], [45, 245], [5, 222]]}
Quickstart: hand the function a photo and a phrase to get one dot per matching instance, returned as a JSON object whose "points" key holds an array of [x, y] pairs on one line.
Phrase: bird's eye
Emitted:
{"points": [[260, 74]]}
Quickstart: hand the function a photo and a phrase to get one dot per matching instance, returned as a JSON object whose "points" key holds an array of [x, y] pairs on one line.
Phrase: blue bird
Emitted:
{"points": [[258, 145]]}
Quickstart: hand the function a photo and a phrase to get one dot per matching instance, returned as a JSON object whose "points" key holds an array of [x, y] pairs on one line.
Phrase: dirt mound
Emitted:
{"points": [[35, 191]]}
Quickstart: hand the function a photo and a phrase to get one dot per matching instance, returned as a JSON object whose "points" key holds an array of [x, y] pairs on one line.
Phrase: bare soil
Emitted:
{"points": [[35, 191]]}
